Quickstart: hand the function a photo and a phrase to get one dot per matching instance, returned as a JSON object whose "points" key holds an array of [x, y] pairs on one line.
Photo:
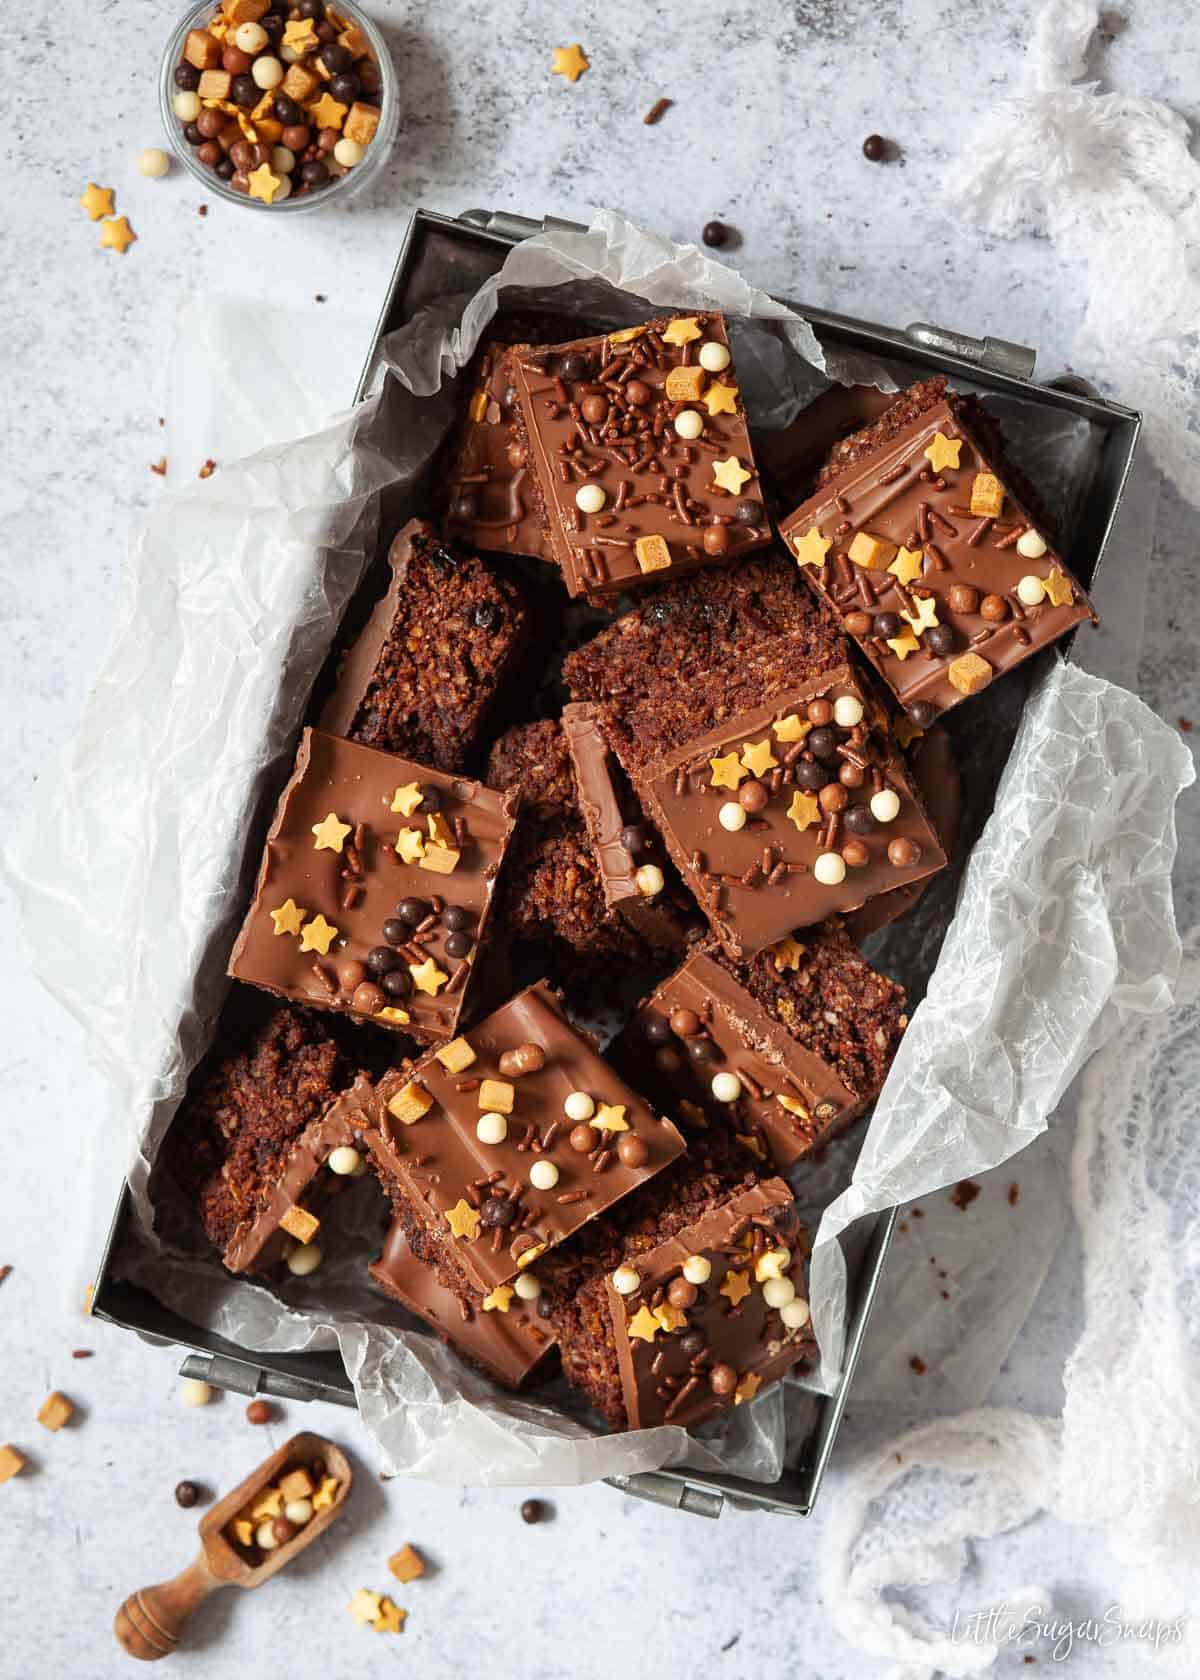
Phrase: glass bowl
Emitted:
{"points": [[353, 181]]}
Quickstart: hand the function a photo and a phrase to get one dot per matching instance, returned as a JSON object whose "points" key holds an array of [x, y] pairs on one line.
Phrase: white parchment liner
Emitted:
{"points": [[130, 871]]}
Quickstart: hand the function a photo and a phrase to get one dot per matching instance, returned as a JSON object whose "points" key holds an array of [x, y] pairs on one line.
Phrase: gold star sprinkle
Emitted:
{"points": [[97, 201], [926, 614], [906, 731], [410, 845], [771, 1263], [327, 112], [407, 798], [330, 833], [427, 977], [263, 183], [812, 547], [289, 917], [792, 728], [721, 399], [793, 1106], [391, 1618], [731, 475], [499, 1299], [390, 1013], [463, 1220], [364, 1606], [804, 810], [787, 953], [610, 1117], [326, 1493], [747, 1388], [570, 62], [643, 1326], [301, 35], [904, 644], [736, 1287], [908, 564], [1058, 587], [727, 772], [682, 330], [116, 235], [318, 935], [671, 1318], [943, 452], [758, 758]]}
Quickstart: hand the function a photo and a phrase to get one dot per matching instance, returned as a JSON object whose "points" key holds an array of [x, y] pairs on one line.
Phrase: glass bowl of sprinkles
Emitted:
{"points": [[280, 105]]}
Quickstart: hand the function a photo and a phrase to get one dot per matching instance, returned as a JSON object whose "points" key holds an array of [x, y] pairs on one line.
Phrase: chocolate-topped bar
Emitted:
{"points": [[426, 674], [375, 887], [637, 877], [503, 1333], [923, 540], [510, 1137], [782, 1050], [679, 1320], [934, 772], [789, 812], [493, 500], [643, 459]]}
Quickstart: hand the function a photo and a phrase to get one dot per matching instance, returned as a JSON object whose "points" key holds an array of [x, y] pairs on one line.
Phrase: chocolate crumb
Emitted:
{"points": [[916, 1213], [81, 1353], [1014, 1193], [918, 1365], [657, 111], [320, 298], [535, 1511], [715, 234], [875, 148], [202, 209], [208, 469], [945, 1294], [964, 1194], [159, 466], [4, 1271], [1185, 724]]}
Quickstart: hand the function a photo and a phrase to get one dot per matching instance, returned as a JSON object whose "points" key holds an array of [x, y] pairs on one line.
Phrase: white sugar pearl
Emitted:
{"points": [[1031, 545], [726, 1087], [579, 1106], [283, 160], [714, 357], [829, 869], [298, 1511], [795, 1314], [696, 1269], [303, 1260], [885, 805], [344, 1161], [731, 816], [543, 1175], [283, 190], [193, 1392], [348, 152], [626, 1280], [491, 1128], [267, 72], [650, 880], [778, 1291], [264, 1537], [289, 55], [186, 106], [1031, 591], [589, 498], [153, 163], [250, 37], [527, 1287], [689, 424], [847, 711]]}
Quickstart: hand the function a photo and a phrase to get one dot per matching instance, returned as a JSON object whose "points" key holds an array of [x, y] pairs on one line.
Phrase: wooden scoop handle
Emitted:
{"points": [[151, 1621]]}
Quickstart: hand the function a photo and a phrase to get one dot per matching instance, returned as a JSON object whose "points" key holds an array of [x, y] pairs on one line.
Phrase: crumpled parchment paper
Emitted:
{"points": [[131, 874]]}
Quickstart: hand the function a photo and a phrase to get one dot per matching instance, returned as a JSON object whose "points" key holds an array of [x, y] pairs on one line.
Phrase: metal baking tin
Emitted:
{"points": [[446, 256]]}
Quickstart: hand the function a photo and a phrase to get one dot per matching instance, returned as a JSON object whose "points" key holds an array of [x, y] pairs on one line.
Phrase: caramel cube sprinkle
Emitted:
{"points": [[443, 860], [202, 50], [301, 1224], [969, 673], [361, 124], [652, 553], [410, 1103], [870, 551], [456, 1055], [299, 84], [987, 496], [243, 1531], [297, 1484], [407, 1564], [56, 1410], [215, 84], [685, 384], [244, 11], [12, 1462], [497, 1094]]}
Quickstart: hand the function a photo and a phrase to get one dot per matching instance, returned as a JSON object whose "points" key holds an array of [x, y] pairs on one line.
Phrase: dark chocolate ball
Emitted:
{"points": [[192, 135], [714, 235], [273, 24], [431, 798], [394, 931], [381, 959], [186, 1494], [498, 1212], [940, 640], [887, 625], [668, 1060], [633, 839], [187, 78], [314, 9], [922, 713], [346, 87], [225, 169], [701, 1050], [335, 57], [823, 744], [874, 148], [575, 366], [370, 76], [810, 777], [692, 1342], [456, 918], [657, 1028], [326, 31], [287, 111], [412, 910], [747, 511], [245, 91], [314, 173], [397, 982], [858, 819], [534, 1511], [458, 945]]}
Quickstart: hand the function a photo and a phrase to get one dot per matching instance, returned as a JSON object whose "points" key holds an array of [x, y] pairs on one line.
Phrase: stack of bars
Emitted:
{"points": [[745, 775]]}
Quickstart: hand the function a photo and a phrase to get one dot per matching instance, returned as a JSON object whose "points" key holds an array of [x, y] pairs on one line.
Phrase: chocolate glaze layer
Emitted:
{"points": [[494, 504], [935, 773]]}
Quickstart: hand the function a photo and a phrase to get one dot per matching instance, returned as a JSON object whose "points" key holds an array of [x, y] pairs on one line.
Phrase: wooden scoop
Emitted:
{"points": [[151, 1621]]}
